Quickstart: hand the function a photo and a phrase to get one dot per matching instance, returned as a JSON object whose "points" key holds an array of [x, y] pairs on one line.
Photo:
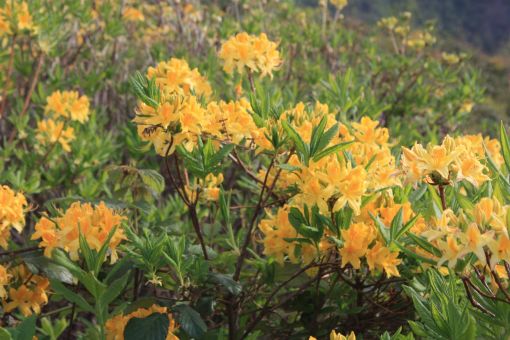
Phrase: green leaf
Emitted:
{"points": [[152, 327], [301, 147], [152, 179], [190, 321], [505, 145], [25, 330], [114, 290], [396, 223], [70, 296], [226, 281], [385, 232], [424, 244], [4, 334], [330, 150], [317, 132], [406, 227]]}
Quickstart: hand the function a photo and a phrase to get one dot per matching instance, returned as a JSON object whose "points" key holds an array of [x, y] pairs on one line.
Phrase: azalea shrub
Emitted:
{"points": [[244, 170]]}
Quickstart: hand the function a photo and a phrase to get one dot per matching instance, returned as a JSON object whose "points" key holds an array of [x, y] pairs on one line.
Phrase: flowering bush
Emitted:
{"points": [[238, 171]]}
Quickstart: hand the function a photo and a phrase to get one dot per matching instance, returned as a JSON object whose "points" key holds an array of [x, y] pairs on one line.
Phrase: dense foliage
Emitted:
{"points": [[244, 170]]}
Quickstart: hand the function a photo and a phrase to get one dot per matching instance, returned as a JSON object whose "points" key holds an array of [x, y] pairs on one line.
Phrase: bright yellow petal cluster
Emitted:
{"points": [[209, 188], [50, 132], [61, 108], [116, 325], [68, 104], [94, 222], [453, 160], [29, 296], [14, 16], [132, 14], [256, 53], [5, 278], [180, 117], [12, 213], [276, 229], [450, 58], [337, 336], [334, 183], [339, 4], [176, 76], [476, 231]]}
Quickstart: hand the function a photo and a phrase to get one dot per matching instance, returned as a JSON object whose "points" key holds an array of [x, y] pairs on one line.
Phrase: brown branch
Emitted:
{"points": [[474, 303]]}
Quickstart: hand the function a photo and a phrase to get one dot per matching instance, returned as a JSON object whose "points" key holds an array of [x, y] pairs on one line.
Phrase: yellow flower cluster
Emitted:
{"points": [[256, 53], [209, 188], [132, 14], [15, 16], [175, 76], [456, 159], [29, 295], [339, 4], [337, 336], [401, 27], [474, 231], [95, 223], [116, 325], [180, 117], [12, 213], [450, 58], [334, 183], [61, 108]]}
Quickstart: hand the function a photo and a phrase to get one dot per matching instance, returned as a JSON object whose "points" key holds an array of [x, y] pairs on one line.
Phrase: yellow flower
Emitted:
{"points": [[351, 186], [467, 106], [94, 222], [276, 229], [450, 58], [500, 250], [380, 257], [116, 325], [132, 14], [19, 16], [5, 278], [337, 336], [175, 76], [256, 53], [50, 132], [12, 213], [488, 213], [339, 4], [476, 241], [68, 104], [29, 297], [47, 231], [389, 23], [451, 251], [356, 239]]}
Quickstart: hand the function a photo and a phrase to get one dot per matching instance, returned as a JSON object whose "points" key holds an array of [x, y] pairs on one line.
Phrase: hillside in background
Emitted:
{"points": [[480, 28], [483, 24]]}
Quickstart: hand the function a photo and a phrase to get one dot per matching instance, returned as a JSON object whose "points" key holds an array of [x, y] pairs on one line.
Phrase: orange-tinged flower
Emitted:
{"points": [[29, 297], [116, 325], [132, 14], [380, 257], [94, 222], [356, 239]]}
